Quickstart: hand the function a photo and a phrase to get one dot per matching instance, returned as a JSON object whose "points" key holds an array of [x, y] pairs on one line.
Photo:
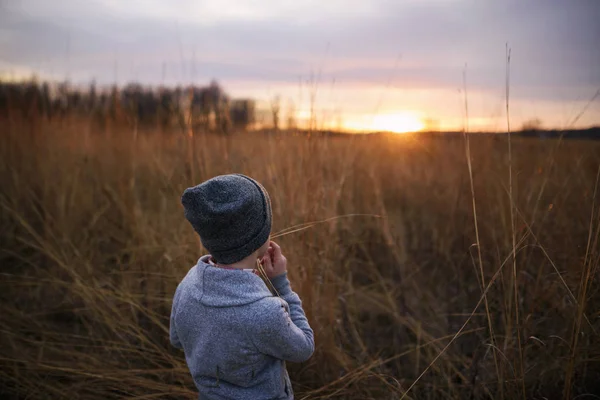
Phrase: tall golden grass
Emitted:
{"points": [[392, 275]]}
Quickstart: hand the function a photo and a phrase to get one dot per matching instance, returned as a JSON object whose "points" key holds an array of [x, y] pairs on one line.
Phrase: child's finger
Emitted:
{"points": [[267, 264], [276, 250]]}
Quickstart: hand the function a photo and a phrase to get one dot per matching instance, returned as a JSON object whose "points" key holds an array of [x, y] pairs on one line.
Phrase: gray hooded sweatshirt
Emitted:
{"points": [[236, 335]]}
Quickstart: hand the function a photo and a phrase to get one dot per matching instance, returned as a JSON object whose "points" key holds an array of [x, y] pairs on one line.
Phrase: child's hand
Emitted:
{"points": [[274, 262]]}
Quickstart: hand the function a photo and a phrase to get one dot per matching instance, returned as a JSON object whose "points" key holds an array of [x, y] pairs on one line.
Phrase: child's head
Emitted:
{"points": [[232, 215]]}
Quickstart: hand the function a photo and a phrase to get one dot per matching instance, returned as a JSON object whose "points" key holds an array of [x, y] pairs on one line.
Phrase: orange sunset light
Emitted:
{"points": [[398, 123]]}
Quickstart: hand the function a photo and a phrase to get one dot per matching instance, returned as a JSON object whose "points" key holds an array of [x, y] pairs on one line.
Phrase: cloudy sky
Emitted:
{"points": [[377, 64]]}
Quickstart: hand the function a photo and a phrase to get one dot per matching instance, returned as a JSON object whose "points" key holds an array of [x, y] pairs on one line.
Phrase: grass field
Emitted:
{"points": [[410, 290]]}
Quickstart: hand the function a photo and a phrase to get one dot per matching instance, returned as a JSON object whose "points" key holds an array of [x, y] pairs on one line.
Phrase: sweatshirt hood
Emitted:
{"points": [[219, 287]]}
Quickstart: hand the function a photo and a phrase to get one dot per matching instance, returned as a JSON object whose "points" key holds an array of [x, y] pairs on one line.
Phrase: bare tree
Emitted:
{"points": [[531, 125], [275, 108], [291, 116], [243, 113]]}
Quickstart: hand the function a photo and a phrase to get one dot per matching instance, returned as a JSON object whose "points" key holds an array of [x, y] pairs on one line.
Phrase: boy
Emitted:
{"points": [[235, 334]]}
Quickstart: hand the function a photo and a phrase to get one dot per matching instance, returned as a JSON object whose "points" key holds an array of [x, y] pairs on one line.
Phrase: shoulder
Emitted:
{"points": [[267, 313], [191, 284]]}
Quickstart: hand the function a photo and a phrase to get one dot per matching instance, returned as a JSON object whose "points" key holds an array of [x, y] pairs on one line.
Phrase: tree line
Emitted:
{"points": [[204, 107]]}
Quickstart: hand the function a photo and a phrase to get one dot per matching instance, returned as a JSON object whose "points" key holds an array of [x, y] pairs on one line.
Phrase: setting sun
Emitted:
{"points": [[398, 123]]}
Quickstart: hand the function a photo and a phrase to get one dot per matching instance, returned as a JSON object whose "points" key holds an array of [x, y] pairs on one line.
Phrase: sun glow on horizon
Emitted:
{"points": [[398, 123]]}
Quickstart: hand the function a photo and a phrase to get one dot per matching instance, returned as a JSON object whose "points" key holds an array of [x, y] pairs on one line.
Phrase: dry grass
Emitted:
{"points": [[93, 243]]}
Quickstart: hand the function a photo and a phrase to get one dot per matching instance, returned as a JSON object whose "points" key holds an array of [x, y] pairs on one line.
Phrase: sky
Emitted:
{"points": [[363, 65]]}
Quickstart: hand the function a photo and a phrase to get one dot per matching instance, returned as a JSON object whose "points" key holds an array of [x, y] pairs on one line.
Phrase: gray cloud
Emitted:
{"points": [[554, 44]]}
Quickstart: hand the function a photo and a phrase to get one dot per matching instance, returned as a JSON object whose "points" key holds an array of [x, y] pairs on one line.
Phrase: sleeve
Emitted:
{"points": [[173, 337], [279, 328]]}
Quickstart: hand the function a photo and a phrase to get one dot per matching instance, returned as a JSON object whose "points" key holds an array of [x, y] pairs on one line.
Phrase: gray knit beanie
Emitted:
{"points": [[232, 215]]}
